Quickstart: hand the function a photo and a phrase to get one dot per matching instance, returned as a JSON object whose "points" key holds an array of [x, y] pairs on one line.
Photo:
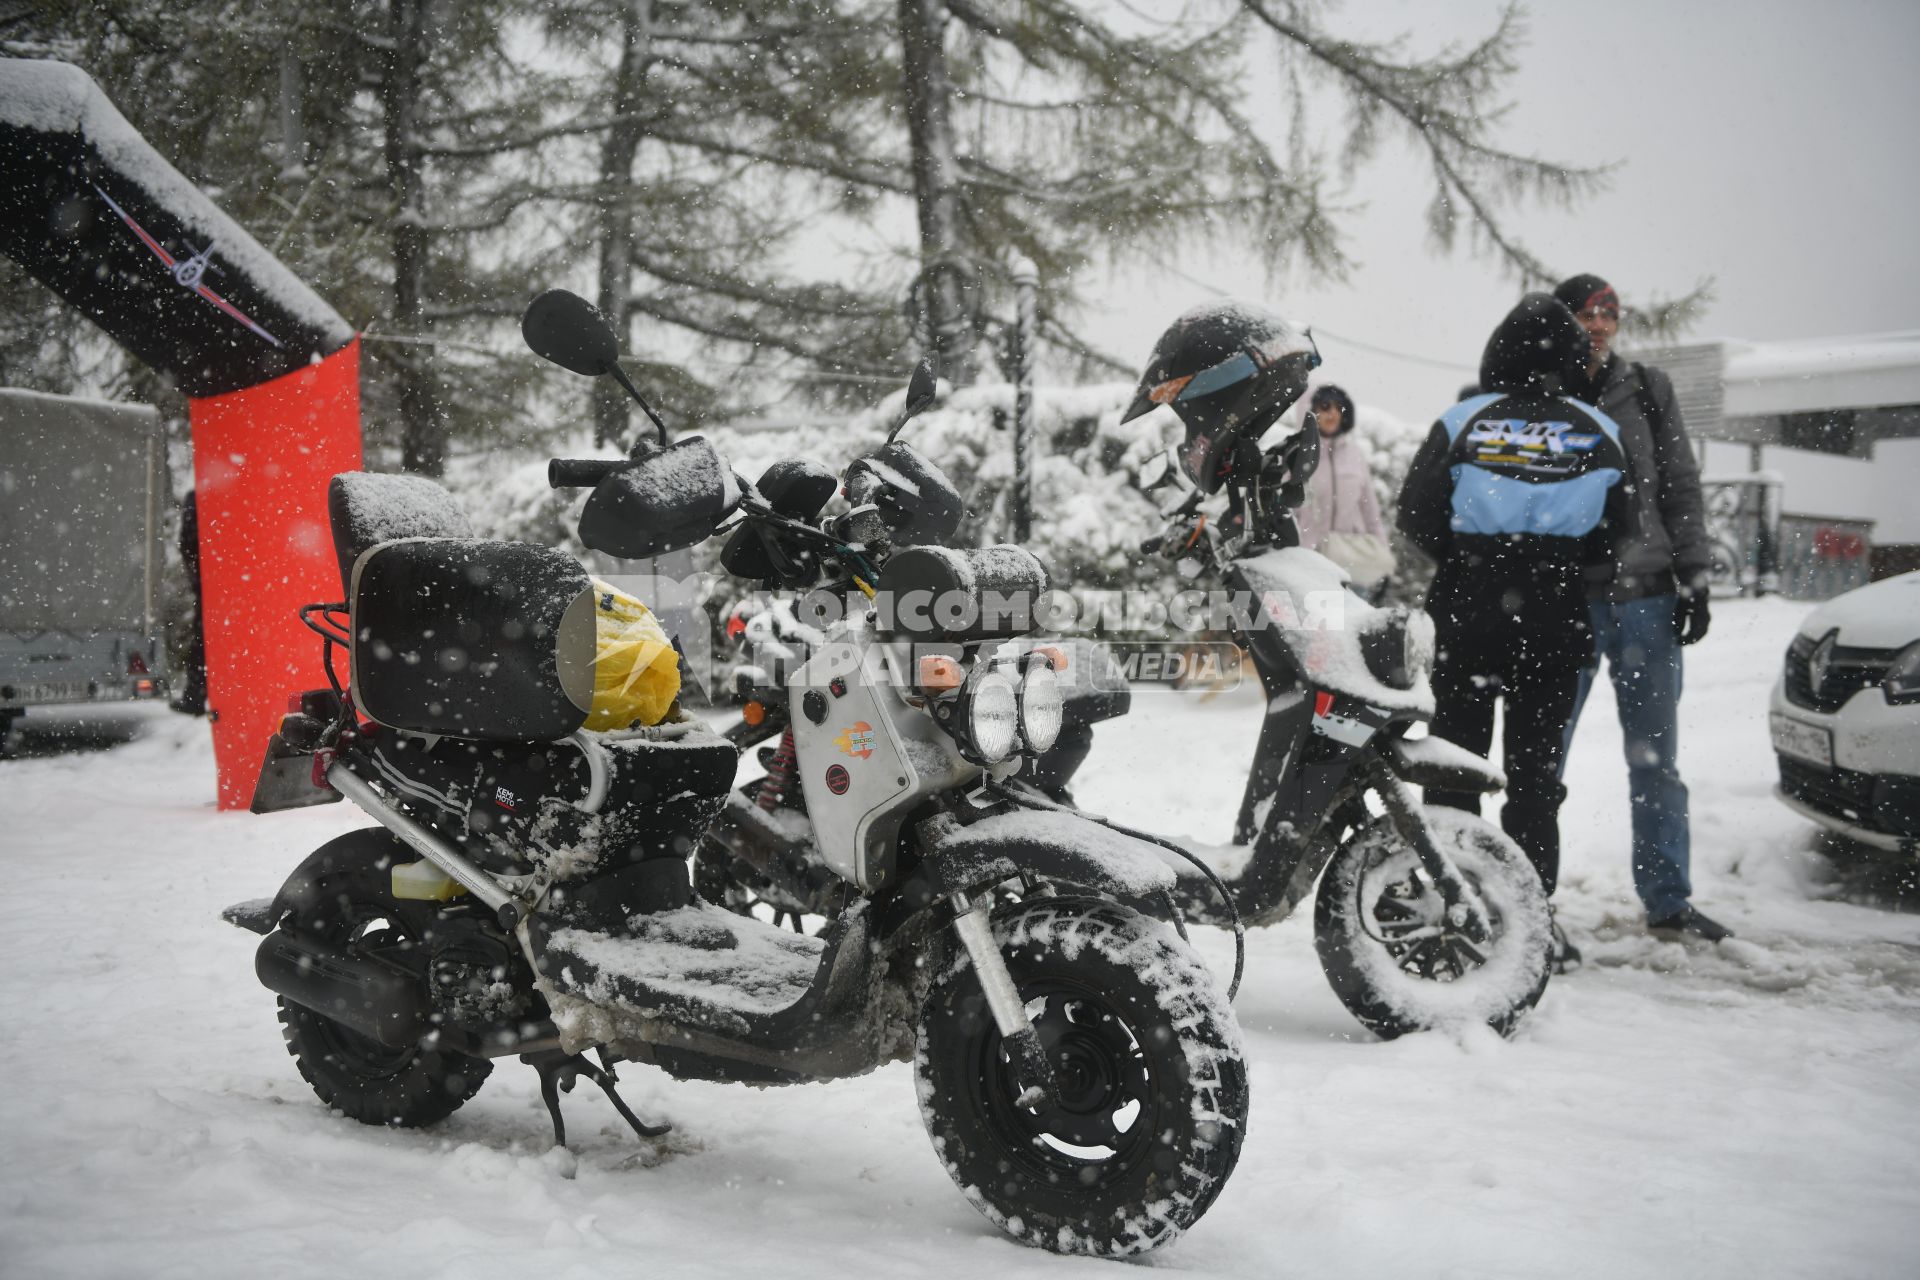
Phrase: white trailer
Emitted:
{"points": [[81, 556]]}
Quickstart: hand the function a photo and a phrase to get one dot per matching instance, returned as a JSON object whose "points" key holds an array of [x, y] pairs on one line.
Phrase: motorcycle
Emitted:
{"points": [[526, 892]]}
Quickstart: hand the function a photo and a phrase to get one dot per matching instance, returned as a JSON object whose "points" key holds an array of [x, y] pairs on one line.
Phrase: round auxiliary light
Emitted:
{"points": [[993, 717], [1042, 705]]}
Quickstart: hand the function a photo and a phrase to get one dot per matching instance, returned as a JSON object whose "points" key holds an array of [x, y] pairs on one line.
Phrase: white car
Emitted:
{"points": [[1846, 716]]}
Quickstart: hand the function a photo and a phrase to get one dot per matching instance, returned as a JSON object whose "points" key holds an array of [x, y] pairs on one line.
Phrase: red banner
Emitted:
{"points": [[261, 461]]}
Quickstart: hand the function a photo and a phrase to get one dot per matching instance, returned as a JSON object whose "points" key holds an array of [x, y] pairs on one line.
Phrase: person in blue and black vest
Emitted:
{"points": [[1517, 494]]}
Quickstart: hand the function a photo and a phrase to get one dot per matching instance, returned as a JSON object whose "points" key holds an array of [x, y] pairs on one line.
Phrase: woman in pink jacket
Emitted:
{"points": [[1341, 516]]}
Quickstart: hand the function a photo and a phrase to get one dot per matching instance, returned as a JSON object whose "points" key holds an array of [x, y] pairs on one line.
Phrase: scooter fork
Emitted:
{"points": [[1022, 1042], [1465, 911]]}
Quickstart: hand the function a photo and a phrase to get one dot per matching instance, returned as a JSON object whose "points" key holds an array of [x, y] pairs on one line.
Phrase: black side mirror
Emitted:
{"points": [[921, 388], [570, 331]]}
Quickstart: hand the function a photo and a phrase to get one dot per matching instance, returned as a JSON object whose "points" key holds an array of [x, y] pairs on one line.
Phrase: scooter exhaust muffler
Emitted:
{"points": [[359, 994]]}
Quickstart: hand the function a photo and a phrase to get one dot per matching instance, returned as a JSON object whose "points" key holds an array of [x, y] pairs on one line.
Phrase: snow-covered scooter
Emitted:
{"points": [[527, 890], [1424, 915]]}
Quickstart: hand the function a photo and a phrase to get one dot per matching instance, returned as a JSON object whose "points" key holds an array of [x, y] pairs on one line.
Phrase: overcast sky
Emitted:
{"points": [[1770, 146]]}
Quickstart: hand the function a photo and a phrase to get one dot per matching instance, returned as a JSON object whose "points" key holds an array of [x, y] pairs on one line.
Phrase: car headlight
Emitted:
{"points": [[993, 716], [1042, 705], [1903, 677]]}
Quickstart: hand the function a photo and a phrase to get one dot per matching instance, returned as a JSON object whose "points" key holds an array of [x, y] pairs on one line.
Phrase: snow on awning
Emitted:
{"points": [[97, 215], [1871, 371]]}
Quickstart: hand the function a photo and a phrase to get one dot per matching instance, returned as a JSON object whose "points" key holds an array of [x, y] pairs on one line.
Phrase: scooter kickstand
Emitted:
{"points": [[558, 1071], [604, 1077]]}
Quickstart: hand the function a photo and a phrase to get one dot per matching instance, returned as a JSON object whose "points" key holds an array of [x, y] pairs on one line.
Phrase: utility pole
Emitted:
{"points": [[1026, 285]]}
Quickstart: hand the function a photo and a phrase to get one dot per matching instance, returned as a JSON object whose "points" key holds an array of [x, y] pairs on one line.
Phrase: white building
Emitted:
{"points": [[1835, 423]]}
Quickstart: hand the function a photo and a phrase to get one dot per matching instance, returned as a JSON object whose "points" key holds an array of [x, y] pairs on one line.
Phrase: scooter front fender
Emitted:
{"points": [[1061, 848], [1435, 762]]}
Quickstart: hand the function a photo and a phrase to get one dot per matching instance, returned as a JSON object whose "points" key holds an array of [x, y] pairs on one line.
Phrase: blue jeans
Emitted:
{"points": [[1636, 639]]}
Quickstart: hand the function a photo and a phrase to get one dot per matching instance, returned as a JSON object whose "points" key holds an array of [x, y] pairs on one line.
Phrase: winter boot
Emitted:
{"points": [[1689, 925], [1566, 956]]}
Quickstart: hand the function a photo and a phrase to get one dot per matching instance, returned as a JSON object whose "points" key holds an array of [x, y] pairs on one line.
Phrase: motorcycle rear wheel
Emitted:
{"points": [[1150, 1100], [1391, 955], [350, 904]]}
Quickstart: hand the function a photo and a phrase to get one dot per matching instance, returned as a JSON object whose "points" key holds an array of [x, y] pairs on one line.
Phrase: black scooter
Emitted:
{"points": [[526, 892]]}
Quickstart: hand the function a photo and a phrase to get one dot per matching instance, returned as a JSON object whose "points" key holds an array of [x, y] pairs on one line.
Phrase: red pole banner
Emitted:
{"points": [[262, 457]]}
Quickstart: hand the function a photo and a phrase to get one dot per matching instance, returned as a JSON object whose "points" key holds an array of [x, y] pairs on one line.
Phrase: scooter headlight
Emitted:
{"points": [[993, 716], [1042, 706], [1398, 651]]}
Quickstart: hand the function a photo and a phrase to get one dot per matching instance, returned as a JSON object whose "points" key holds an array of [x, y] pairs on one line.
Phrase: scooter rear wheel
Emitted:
{"points": [[346, 899], [1390, 953], [1150, 1096]]}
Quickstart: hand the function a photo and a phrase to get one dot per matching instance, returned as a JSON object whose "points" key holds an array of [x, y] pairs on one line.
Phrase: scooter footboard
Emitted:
{"points": [[1435, 762], [1055, 847]]}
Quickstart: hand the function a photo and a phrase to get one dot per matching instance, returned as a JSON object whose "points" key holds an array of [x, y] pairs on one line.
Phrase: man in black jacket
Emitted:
{"points": [[1517, 494], [1656, 602]]}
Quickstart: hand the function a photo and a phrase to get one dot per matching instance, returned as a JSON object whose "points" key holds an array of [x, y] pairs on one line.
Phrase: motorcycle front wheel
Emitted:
{"points": [[1390, 952], [1149, 1105]]}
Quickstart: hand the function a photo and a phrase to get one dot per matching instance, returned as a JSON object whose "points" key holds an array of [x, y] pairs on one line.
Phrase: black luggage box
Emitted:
{"points": [[491, 641]]}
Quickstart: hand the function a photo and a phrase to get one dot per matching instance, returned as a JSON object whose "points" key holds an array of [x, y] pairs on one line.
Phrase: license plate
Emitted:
{"points": [[1803, 741], [48, 691]]}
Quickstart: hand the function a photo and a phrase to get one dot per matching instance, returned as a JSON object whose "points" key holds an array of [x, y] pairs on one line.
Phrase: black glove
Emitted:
{"points": [[1690, 616]]}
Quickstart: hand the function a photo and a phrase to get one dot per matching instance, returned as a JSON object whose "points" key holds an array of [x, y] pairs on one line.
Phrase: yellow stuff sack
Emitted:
{"points": [[636, 671]]}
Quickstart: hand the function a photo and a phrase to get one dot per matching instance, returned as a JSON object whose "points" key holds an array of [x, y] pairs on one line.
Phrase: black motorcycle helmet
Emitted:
{"points": [[1539, 348], [1229, 369]]}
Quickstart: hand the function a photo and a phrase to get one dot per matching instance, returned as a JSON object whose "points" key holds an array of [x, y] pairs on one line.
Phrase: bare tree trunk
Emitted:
{"points": [[611, 407], [423, 427], [947, 278]]}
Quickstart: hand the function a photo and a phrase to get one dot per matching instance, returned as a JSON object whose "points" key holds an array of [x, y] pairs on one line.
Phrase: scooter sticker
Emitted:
{"points": [[857, 741], [1340, 728], [838, 779]]}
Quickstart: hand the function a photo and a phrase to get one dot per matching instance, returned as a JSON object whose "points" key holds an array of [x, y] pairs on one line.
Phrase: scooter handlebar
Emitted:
{"points": [[581, 473]]}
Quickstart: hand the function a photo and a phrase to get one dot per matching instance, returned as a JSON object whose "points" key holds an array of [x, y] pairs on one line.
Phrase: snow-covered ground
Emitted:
{"points": [[1754, 1111]]}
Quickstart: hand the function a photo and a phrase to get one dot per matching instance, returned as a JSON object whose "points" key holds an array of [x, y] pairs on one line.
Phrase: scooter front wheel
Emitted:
{"points": [[1394, 958], [1149, 1099]]}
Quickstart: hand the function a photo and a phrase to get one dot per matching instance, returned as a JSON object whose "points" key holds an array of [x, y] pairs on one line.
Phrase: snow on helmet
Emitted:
{"points": [[1539, 347], [1229, 370]]}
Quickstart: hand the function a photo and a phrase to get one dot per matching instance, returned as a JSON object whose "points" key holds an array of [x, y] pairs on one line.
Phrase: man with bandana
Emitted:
{"points": [[1655, 604]]}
